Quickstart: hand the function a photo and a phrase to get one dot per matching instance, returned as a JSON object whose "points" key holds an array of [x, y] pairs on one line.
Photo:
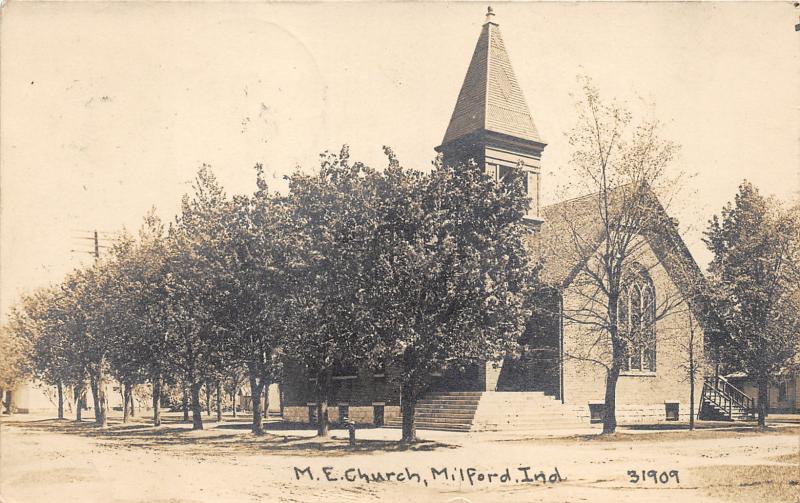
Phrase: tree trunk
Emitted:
{"points": [[323, 388], [185, 404], [101, 395], [691, 400], [11, 406], [93, 387], [408, 407], [692, 372], [208, 399], [78, 403], [197, 410], [133, 401], [266, 401], [98, 385], [157, 401], [233, 401], [60, 400], [610, 408], [219, 401], [126, 399], [763, 398], [255, 401]]}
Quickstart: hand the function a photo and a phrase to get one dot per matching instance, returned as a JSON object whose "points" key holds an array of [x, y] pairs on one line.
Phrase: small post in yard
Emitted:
{"points": [[351, 430]]}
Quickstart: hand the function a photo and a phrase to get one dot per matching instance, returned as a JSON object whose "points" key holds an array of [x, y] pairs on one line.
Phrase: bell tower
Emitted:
{"points": [[491, 123]]}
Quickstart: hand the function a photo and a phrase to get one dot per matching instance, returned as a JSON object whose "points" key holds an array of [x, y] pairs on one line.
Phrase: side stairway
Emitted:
{"points": [[722, 401], [494, 411]]}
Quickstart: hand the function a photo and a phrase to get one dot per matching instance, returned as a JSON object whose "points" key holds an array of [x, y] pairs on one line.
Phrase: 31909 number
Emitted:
{"points": [[643, 476]]}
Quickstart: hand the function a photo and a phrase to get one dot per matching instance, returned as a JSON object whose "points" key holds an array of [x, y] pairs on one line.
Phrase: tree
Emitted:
{"points": [[622, 167], [236, 376], [192, 287], [253, 299], [95, 312], [148, 289], [755, 242], [54, 353], [448, 272], [128, 352], [329, 227], [13, 367]]}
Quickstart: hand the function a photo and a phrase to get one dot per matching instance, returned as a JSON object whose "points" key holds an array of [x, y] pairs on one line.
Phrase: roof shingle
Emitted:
{"points": [[491, 98]]}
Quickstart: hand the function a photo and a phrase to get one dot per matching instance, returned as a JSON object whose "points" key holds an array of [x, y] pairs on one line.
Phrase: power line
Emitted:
{"points": [[95, 238]]}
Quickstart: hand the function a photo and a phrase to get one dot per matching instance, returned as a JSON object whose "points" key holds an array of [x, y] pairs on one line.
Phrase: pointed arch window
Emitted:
{"points": [[636, 322]]}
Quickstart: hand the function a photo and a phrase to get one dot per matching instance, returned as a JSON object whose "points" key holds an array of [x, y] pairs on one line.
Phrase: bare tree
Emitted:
{"points": [[607, 236]]}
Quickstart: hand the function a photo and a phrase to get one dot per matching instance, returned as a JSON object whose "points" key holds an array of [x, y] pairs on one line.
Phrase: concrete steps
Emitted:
{"points": [[445, 411], [516, 411], [494, 411]]}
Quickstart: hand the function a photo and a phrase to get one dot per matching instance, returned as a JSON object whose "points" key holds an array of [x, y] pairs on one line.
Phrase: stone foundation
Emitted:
{"points": [[641, 413], [362, 415]]}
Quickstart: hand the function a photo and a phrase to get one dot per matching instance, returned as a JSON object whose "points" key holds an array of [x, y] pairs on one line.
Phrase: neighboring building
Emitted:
{"points": [[31, 396], [783, 393], [245, 402], [550, 385]]}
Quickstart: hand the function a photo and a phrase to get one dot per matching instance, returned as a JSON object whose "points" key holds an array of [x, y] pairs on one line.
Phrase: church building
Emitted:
{"points": [[559, 379]]}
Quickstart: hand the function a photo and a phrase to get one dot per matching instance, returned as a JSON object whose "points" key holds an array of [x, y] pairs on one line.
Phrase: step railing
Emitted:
{"points": [[727, 397]]}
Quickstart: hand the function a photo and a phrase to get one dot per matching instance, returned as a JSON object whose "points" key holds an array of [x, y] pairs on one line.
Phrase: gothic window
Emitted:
{"points": [[636, 322]]}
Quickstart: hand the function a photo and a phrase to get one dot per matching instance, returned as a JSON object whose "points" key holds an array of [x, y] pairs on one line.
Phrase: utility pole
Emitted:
{"points": [[95, 237]]}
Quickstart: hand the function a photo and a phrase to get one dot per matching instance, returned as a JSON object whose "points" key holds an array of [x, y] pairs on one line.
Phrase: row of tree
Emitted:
{"points": [[352, 267], [419, 270]]}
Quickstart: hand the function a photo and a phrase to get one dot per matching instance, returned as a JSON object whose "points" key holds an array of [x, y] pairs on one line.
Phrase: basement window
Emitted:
{"points": [[672, 410], [377, 415], [344, 413], [597, 411]]}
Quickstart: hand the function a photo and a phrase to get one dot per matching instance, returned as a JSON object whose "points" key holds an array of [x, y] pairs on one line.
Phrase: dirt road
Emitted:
{"points": [[45, 461]]}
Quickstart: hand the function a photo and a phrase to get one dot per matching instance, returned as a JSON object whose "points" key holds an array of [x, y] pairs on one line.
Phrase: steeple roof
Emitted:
{"points": [[490, 97]]}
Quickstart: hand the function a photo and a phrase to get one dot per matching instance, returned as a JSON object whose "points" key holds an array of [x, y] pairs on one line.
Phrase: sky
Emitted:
{"points": [[108, 109]]}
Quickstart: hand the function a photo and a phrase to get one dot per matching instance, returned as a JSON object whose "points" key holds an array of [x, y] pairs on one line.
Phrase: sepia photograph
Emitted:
{"points": [[457, 252]]}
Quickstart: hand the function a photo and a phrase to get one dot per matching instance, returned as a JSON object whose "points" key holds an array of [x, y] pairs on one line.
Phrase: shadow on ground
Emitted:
{"points": [[221, 439], [661, 431]]}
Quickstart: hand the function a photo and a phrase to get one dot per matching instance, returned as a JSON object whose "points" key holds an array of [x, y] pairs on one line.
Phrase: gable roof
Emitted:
{"points": [[491, 98], [573, 230]]}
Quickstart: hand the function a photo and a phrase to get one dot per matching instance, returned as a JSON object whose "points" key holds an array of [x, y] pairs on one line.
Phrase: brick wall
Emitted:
{"points": [[361, 390], [642, 396]]}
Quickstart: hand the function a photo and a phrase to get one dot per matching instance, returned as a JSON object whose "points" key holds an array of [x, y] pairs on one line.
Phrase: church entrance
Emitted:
{"points": [[537, 367]]}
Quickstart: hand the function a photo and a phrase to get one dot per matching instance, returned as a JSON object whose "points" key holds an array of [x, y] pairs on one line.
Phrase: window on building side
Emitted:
{"points": [[636, 322], [783, 390]]}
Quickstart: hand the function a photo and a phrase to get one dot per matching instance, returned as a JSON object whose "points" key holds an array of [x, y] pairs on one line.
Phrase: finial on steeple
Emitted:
{"points": [[489, 14]]}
